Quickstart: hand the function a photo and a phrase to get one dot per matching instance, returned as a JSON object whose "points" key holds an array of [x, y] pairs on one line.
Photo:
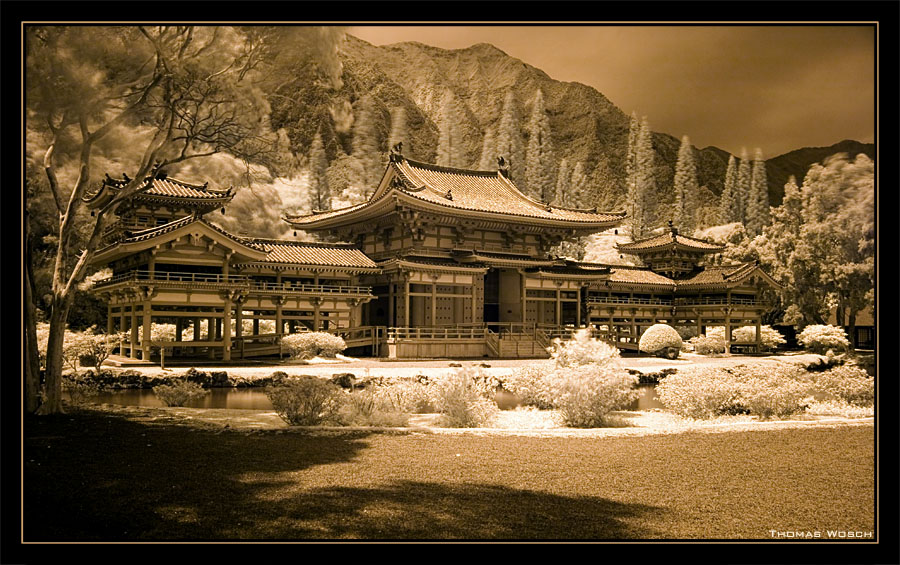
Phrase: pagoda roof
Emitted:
{"points": [[439, 264], [163, 189], [667, 240], [725, 276], [344, 255], [460, 192], [141, 239], [638, 275]]}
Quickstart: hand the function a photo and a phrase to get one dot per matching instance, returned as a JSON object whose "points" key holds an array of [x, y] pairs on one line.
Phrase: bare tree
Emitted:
{"points": [[162, 94]]}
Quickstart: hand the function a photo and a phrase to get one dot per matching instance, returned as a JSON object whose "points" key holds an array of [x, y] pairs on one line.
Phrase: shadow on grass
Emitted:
{"points": [[94, 476]]}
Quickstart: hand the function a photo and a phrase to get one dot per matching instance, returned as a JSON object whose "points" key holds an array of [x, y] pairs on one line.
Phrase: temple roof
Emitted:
{"points": [[638, 275], [318, 254], [722, 276], [669, 239], [500, 258], [164, 188], [459, 192]]}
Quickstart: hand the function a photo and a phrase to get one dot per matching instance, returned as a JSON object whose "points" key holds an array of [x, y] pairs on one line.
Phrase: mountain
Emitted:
{"points": [[586, 126], [798, 161]]}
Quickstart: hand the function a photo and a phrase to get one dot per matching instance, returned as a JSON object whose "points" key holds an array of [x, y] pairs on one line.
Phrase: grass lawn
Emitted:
{"points": [[92, 475]]}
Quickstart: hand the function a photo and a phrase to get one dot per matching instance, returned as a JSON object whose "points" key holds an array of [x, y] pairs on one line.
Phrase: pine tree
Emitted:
{"points": [[644, 183], [742, 187], [450, 146], [400, 131], [319, 193], [539, 155], [562, 183], [489, 155], [728, 206], [366, 164], [578, 187], [509, 141], [686, 188], [634, 129], [759, 193]]}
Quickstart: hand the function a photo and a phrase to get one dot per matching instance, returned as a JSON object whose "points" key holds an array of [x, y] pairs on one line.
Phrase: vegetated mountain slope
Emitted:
{"points": [[585, 125]]}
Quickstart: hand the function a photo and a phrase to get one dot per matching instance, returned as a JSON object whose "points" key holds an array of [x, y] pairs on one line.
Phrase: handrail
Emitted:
{"points": [[623, 300], [733, 300], [243, 280]]}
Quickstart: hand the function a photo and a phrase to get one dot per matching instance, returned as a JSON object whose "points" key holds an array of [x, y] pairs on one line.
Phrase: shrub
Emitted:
{"points": [[531, 385], [80, 389], [87, 348], [706, 345], [306, 400], [821, 338], [459, 399], [661, 340], [848, 383], [365, 408], [769, 338], [582, 349], [700, 392], [761, 390], [179, 392], [586, 394], [307, 345], [405, 395]]}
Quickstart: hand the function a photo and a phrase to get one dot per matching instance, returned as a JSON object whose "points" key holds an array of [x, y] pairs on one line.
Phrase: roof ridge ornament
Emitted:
{"points": [[503, 166], [396, 154]]}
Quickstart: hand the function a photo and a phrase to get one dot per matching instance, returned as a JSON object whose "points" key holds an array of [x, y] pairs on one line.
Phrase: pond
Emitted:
{"points": [[255, 399]]}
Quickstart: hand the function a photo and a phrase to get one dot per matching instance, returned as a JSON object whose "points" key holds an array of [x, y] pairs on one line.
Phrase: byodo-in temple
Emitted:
{"points": [[439, 262]]}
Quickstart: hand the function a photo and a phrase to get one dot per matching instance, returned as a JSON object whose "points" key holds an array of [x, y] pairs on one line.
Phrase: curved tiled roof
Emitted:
{"points": [[465, 190], [164, 188], [484, 191], [638, 275], [668, 239], [306, 253], [721, 275]]}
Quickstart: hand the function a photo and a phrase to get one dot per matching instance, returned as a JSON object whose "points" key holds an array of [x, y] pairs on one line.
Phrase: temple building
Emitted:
{"points": [[438, 262]]}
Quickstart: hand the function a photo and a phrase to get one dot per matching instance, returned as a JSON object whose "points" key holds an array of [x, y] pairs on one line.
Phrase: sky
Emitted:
{"points": [[778, 88]]}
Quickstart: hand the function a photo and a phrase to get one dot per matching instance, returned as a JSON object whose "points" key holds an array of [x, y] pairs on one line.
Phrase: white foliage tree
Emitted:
{"points": [[742, 187], [400, 131], [509, 141], [686, 188], [562, 183], [319, 195], [728, 206], [644, 183], [758, 214], [450, 145], [539, 154]]}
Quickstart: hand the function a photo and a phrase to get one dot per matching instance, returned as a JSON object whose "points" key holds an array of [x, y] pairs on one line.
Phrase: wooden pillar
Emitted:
{"points": [[406, 302], [151, 263], [474, 300], [226, 327], [558, 308], [145, 341], [434, 300], [239, 318], [316, 302], [196, 329], [392, 302], [758, 332], [524, 317], [578, 307], [255, 322], [211, 336], [134, 332], [279, 321]]}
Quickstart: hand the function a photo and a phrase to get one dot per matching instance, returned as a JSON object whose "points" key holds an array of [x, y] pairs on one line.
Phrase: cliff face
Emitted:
{"points": [[585, 125]]}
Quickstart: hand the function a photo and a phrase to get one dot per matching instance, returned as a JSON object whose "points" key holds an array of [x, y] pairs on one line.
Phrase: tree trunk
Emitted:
{"points": [[32, 357], [53, 376], [852, 325]]}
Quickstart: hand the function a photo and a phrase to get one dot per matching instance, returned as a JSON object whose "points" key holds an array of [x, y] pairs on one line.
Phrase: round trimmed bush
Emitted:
{"points": [[661, 340], [821, 338]]}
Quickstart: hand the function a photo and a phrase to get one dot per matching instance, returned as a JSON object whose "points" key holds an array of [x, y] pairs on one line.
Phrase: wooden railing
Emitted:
{"points": [[627, 300], [179, 278], [723, 301], [492, 341], [439, 332]]}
